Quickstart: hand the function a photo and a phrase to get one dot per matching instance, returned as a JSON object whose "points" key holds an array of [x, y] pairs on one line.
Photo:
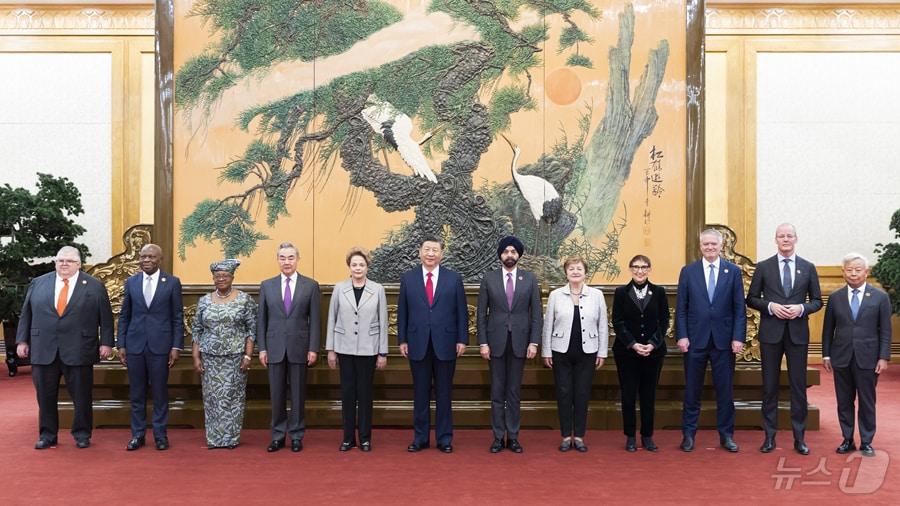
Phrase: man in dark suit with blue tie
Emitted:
{"points": [[856, 346], [779, 290], [150, 337], [432, 331], [712, 325]]}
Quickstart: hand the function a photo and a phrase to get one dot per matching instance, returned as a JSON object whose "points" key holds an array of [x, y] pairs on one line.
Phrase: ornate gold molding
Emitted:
{"points": [[47, 20], [751, 351], [793, 19]]}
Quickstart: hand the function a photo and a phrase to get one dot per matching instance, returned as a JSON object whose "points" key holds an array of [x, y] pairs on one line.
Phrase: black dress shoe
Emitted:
{"points": [[43, 444], [630, 444], [847, 446], [162, 443], [866, 450], [648, 444], [566, 445], [275, 445], [768, 445], [687, 444], [346, 445], [514, 446], [135, 443], [416, 447], [83, 443], [579, 445], [447, 448], [497, 446], [297, 445], [728, 444], [365, 446], [800, 447]]}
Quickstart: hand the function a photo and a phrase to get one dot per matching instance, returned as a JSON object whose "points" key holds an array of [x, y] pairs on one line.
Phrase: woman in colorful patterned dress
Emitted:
{"points": [[223, 335]]}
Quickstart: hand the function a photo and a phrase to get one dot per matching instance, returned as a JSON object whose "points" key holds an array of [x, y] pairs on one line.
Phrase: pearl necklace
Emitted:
{"points": [[219, 295]]}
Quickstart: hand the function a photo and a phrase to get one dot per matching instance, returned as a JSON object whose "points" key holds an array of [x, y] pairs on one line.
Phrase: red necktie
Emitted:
{"points": [[429, 289]]}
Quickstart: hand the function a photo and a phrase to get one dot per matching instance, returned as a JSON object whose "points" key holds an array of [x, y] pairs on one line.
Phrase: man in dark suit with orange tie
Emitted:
{"points": [[712, 325], [66, 327], [432, 331], [150, 338], [856, 346], [785, 290]]}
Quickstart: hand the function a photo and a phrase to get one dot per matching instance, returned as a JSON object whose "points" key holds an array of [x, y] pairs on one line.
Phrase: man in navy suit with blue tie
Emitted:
{"points": [[150, 337], [432, 331], [711, 323]]}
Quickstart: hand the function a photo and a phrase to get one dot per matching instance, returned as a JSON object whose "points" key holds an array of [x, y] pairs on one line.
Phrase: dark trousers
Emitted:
{"points": [[430, 370], [79, 382], [286, 375], [506, 387], [849, 383], [574, 374], [722, 362], [357, 378], [638, 376], [148, 369], [771, 374]]}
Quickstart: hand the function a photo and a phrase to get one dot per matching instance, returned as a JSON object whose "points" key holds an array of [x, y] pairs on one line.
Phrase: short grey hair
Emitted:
{"points": [[288, 245], [712, 231], [786, 224], [852, 257], [69, 250]]}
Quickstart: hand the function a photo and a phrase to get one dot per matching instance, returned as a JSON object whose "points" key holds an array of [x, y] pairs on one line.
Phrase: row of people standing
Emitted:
{"points": [[433, 332]]}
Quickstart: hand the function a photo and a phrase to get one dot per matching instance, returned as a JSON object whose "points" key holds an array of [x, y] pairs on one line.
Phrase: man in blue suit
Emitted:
{"points": [[712, 325], [432, 331], [150, 337]]}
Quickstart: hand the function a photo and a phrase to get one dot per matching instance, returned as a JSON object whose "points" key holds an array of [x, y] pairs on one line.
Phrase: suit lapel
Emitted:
{"points": [[501, 284], [720, 280], [75, 295], [437, 286], [49, 286], [162, 284], [863, 301], [633, 296]]}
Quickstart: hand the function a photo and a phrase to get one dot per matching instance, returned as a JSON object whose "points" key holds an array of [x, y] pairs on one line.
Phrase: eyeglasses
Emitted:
{"points": [[65, 261], [640, 267]]}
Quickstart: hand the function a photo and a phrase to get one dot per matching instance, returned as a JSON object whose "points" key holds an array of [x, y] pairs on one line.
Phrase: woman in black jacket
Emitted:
{"points": [[640, 318]]}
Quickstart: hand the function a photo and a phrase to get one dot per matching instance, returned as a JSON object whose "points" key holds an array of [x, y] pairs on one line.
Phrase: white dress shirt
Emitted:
{"points": [[706, 271], [505, 277], [434, 277], [59, 286]]}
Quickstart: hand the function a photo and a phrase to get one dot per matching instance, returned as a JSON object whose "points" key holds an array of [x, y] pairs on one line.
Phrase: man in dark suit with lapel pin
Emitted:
{"points": [[856, 346], [288, 338], [509, 330], [432, 331], [785, 290], [711, 322], [150, 337], [64, 314]]}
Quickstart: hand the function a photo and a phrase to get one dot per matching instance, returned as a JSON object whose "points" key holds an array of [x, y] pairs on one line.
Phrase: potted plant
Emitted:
{"points": [[33, 227], [887, 270]]}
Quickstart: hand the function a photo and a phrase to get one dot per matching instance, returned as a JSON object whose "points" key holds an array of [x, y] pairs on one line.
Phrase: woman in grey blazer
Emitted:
{"points": [[574, 345], [356, 341]]}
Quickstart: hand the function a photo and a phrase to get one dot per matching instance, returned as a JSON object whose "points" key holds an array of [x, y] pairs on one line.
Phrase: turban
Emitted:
{"points": [[513, 241], [228, 265]]}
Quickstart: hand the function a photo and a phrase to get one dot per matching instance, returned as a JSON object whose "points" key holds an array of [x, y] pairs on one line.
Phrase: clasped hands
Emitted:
{"points": [[786, 311], [643, 350]]}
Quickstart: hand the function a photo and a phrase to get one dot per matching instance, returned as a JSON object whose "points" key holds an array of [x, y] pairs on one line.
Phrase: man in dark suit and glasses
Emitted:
{"points": [[432, 331], [150, 338], [509, 330], [711, 322], [856, 346], [288, 338], [66, 327], [785, 290]]}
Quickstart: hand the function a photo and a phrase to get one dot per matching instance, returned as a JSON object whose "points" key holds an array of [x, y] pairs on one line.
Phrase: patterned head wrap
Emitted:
{"points": [[228, 265]]}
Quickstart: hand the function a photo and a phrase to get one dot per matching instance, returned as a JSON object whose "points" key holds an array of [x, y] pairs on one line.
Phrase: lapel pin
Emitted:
{"points": [[798, 271], [725, 271], [162, 279], [868, 294], [521, 278], [83, 282], [649, 292]]}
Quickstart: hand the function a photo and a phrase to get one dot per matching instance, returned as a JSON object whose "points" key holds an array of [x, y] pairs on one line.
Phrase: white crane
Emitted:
{"points": [[396, 128], [542, 197]]}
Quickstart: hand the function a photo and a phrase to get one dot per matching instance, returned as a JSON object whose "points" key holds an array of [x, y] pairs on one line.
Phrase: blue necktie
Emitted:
{"points": [[786, 277], [854, 303], [711, 284]]}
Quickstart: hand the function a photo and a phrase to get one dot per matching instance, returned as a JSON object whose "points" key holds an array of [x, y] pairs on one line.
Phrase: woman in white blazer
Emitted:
{"points": [[574, 345], [357, 342]]}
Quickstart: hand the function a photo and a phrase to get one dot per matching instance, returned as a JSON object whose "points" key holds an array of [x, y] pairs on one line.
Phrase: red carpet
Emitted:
{"points": [[188, 473]]}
